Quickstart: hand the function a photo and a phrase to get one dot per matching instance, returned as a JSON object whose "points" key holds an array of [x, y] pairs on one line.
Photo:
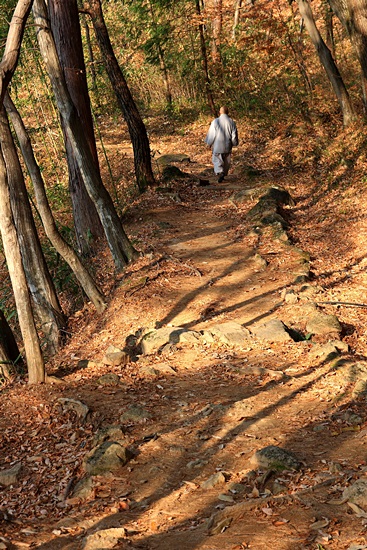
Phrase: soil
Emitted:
{"points": [[204, 263]]}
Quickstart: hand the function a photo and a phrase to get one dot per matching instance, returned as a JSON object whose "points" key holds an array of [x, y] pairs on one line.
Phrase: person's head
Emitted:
{"points": [[223, 110]]}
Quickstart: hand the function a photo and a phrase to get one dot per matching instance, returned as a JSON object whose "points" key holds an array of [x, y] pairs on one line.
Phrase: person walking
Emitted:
{"points": [[221, 137]]}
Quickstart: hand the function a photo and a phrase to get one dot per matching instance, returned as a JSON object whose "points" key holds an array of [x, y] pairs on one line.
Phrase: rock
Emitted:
{"points": [[241, 409], [80, 409], [83, 490], [360, 389], [86, 363], [272, 331], [6, 544], [275, 458], [323, 352], [135, 413], [195, 464], [267, 210], [10, 476], [172, 157], [357, 493], [109, 379], [104, 539], [115, 356], [230, 333], [236, 488], [225, 498], [322, 324], [289, 296], [154, 340], [107, 457], [172, 172], [245, 195], [147, 370], [108, 433], [216, 479]]}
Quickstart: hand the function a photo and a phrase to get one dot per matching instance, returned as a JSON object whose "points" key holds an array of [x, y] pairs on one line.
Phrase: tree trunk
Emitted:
{"points": [[217, 30], [121, 248], [9, 351], [204, 60], [35, 364], [10, 57], [65, 27], [61, 246], [327, 62], [46, 304], [329, 29], [162, 61], [353, 16], [236, 19], [91, 61], [136, 127]]}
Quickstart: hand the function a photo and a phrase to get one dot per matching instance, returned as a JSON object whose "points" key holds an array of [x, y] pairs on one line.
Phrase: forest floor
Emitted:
{"points": [[208, 407]]}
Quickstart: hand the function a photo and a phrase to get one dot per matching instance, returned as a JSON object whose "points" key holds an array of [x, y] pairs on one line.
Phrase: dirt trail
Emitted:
{"points": [[217, 407]]}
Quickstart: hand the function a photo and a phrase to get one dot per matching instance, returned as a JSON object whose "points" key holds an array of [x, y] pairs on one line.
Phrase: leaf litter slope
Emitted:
{"points": [[219, 404]]}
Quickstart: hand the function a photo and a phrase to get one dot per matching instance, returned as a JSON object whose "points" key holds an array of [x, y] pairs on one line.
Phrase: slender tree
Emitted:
{"points": [[62, 247], [204, 61], [328, 62], [46, 304], [10, 57], [35, 363], [121, 248], [64, 19], [9, 351], [136, 127], [217, 29], [353, 16]]}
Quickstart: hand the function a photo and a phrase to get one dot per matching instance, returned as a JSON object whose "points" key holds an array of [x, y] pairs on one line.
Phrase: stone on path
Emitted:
{"points": [[104, 539], [322, 324], [156, 339], [275, 458], [80, 409], [357, 493], [212, 481], [115, 356], [272, 331], [10, 476], [157, 369], [172, 157], [108, 457], [109, 379], [230, 333], [135, 413]]}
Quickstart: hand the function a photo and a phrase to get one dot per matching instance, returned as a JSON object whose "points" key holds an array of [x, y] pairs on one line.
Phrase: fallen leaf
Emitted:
{"points": [[320, 524], [220, 527], [359, 512]]}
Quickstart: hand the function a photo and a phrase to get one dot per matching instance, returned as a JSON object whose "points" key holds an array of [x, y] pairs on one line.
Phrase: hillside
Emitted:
{"points": [[272, 353]]}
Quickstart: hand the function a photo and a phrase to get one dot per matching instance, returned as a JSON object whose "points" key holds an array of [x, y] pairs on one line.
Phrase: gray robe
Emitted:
{"points": [[222, 135]]}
